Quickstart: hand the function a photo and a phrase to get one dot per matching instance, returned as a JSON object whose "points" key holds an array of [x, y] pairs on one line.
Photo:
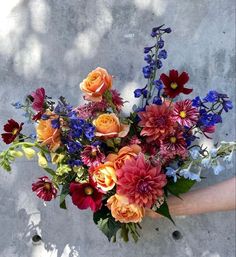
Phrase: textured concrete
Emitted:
{"points": [[54, 44]]}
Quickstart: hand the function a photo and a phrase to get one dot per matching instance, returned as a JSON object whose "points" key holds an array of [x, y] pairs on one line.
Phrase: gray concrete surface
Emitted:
{"points": [[54, 44]]}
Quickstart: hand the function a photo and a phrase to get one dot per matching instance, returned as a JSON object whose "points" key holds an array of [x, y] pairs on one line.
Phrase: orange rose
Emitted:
{"points": [[124, 212], [48, 135], [104, 175], [124, 154], [109, 126], [96, 83]]}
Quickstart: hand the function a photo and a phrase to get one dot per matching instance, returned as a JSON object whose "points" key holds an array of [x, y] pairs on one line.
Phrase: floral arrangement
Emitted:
{"points": [[120, 166]]}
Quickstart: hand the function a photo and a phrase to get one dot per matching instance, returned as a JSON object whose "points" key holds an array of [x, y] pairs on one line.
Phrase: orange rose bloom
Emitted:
{"points": [[48, 135], [124, 154], [104, 175], [108, 126], [96, 83], [124, 212]]}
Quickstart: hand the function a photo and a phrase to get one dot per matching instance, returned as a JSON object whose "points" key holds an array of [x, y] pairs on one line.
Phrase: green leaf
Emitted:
{"points": [[164, 211], [64, 192], [181, 186], [106, 223], [50, 171]]}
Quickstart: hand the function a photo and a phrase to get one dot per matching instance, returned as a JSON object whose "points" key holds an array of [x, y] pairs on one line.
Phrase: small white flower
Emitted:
{"points": [[218, 168]]}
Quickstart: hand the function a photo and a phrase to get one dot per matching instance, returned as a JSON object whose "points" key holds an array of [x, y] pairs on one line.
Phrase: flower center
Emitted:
{"points": [[182, 114], [47, 186], [143, 186], [94, 153], [160, 121], [88, 190], [173, 85], [173, 140], [15, 131]]}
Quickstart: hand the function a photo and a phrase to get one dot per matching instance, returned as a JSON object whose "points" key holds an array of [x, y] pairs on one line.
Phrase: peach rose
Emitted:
{"points": [[108, 126], [124, 212], [104, 175], [47, 135], [96, 83], [125, 153]]}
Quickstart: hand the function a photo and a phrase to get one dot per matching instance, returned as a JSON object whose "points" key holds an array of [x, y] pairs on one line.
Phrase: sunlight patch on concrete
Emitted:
{"points": [[156, 6]]}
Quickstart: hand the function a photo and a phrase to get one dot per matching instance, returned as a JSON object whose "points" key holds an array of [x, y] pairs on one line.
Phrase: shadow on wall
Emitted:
{"points": [[54, 44]]}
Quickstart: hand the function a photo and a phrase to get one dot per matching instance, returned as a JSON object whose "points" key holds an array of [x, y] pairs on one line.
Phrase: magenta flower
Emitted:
{"points": [[185, 114], [85, 195], [92, 155], [89, 109], [117, 100], [140, 182], [44, 189], [39, 97]]}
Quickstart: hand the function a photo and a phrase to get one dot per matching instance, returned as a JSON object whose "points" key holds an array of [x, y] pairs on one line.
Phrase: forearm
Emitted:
{"points": [[219, 197]]}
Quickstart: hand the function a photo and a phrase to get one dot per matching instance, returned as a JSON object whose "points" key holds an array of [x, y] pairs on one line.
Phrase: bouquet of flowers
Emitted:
{"points": [[119, 166]]}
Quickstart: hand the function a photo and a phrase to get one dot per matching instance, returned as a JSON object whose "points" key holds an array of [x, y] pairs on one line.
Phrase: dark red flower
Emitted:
{"points": [[38, 102], [37, 116], [174, 83], [44, 189], [13, 129], [85, 195], [117, 100]]}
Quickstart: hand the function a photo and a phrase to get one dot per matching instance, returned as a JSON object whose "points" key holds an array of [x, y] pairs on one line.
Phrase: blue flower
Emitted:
{"points": [[147, 49], [170, 172], [211, 97], [162, 54], [32, 136], [186, 173], [148, 58], [157, 100], [55, 123], [159, 64], [17, 105], [227, 105], [158, 84], [155, 29], [206, 162], [147, 70], [137, 92], [217, 168], [196, 102], [160, 43], [167, 30], [73, 163], [194, 153], [45, 117], [73, 146]]}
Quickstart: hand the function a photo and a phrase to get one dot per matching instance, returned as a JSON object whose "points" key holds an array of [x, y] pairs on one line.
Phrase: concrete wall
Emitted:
{"points": [[54, 44]]}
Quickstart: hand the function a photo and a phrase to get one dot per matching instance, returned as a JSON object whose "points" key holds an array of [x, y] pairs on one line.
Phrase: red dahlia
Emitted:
{"points": [[12, 129], [85, 195], [44, 189], [174, 83]]}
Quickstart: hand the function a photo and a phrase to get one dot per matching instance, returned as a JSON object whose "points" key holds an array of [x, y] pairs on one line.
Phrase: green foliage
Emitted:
{"points": [[164, 211], [64, 192], [181, 186]]}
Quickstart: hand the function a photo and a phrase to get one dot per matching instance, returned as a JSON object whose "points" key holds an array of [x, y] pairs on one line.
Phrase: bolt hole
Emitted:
{"points": [[36, 238], [177, 235]]}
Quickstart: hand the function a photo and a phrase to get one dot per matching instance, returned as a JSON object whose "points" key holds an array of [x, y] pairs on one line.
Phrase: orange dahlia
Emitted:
{"points": [[140, 182], [156, 121]]}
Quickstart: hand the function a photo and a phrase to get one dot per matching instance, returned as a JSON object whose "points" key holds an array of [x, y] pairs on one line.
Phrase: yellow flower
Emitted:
{"points": [[16, 153], [57, 158], [29, 152], [124, 212], [42, 161], [62, 169]]}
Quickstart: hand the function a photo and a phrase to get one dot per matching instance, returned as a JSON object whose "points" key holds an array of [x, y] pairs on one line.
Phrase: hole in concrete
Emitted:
{"points": [[177, 235], [36, 238], [157, 229]]}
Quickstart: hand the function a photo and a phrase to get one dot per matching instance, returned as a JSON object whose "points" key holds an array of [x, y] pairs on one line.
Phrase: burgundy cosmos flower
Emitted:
{"points": [[12, 129], [174, 83], [85, 195], [140, 182], [92, 155], [38, 102], [44, 189]]}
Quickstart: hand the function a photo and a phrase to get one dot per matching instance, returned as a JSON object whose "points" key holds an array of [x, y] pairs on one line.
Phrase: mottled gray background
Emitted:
{"points": [[54, 44]]}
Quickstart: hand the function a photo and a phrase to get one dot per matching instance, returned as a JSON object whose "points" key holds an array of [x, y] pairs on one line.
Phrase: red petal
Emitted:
{"points": [[8, 137], [173, 74], [183, 79], [187, 90], [165, 79], [11, 125]]}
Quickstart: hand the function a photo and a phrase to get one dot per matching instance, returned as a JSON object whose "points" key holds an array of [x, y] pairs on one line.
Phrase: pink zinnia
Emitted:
{"points": [[92, 155], [85, 195], [185, 114], [38, 102], [44, 189], [174, 144], [140, 182], [156, 121], [117, 100]]}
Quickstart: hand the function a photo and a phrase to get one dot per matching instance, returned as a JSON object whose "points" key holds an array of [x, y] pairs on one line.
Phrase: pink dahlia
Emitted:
{"points": [[140, 182], [156, 121], [174, 144], [89, 109], [38, 101], [185, 114], [117, 100], [92, 155], [85, 195], [44, 189]]}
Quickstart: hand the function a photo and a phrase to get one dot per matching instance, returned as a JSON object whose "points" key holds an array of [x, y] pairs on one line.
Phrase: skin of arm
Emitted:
{"points": [[219, 197]]}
